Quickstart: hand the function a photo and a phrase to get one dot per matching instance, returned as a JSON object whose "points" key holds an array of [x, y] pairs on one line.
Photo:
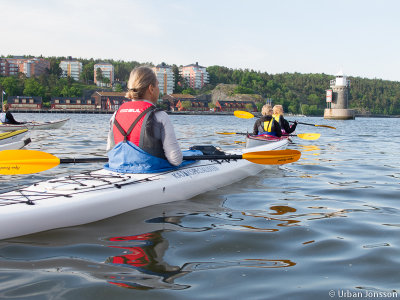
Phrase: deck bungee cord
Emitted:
{"points": [[82, 179]]}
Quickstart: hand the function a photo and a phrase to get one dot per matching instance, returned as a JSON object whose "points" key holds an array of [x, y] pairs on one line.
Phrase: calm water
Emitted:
{"points": [[325, 227]]}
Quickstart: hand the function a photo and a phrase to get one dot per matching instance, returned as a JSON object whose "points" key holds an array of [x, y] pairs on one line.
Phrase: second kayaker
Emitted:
{"points": [[277, 113], [141, 138], [267, 124], [6, 117]]}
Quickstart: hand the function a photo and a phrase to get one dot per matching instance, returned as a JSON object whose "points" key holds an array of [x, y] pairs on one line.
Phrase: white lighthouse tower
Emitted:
{"points": [[337, 99]]}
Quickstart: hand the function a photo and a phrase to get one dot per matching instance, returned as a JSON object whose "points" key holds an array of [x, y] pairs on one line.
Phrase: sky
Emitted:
{"points": [[359, 37]]}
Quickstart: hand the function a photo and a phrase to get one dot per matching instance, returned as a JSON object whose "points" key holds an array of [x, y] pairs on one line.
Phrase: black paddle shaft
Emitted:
{"points": [[210, 157], [83, 160], [105, 159], [302, 123]]}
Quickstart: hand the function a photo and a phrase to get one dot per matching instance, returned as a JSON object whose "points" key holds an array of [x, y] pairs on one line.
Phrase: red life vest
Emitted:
{"points": [[129, 118], [131, 123]]}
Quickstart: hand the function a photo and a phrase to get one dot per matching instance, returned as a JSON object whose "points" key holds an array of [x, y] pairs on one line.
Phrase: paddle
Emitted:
{"points": [[247, 115], [13, 162], [326, 126], [304, 136], [243, 114]]}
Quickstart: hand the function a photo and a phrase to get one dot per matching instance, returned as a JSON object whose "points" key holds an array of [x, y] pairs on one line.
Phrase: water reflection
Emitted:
{"points": [[309, 153], [279, 210], [146, 258], [145, 254]]}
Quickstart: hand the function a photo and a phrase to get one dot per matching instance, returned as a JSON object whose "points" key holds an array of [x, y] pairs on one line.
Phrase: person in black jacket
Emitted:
{"points": [[6, 117], [277, 113], [267, 124]]}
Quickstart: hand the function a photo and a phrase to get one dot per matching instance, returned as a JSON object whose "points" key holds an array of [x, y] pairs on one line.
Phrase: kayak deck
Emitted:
{"points": [[96, 195], [34, 125], [258, 140], [14, 145]]}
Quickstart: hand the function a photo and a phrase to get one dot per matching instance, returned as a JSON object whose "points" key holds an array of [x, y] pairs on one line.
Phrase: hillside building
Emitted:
{"points": [[107, 70], [71, 67], [72, 103], [28, 66], [165, 77], [195, 75], [24, 102], [110, 101]]}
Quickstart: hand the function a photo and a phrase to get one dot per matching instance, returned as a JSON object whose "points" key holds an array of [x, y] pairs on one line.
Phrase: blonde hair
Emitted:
{"points": [[278, 109], [139, 80], [266, 110], [5, 107]]}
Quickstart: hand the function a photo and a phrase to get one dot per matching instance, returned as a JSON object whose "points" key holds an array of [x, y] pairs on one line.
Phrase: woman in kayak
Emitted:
{"points": [[141, 136], [267, 124], [6, 117], [278, 116]]}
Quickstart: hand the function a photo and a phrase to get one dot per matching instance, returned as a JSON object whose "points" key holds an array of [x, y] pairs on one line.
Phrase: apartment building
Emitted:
{"points": [[107, 70], [165, 77], [71, 67], [35, 67], [196, 76], [29, 66], [10, 66]]}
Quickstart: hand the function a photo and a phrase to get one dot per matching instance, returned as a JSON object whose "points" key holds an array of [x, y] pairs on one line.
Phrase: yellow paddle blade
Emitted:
{"points": [[225, 132], [243, 114], [9, 134], [273, 157], [326, 126], [14, 162], [309, 136]]}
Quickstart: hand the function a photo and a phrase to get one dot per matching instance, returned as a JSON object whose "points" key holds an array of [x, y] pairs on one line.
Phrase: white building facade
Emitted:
{"points": [[107, 70], [196, 76], [166, 78], [71, 68]]}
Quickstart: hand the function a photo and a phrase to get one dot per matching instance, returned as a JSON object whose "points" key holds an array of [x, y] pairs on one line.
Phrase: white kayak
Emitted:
{"points": [[34, 125], [96, 195], [15, 145], [12, 136], [259, 140]]}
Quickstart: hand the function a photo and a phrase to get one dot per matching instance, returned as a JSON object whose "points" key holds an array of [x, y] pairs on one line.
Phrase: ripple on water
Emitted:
{"points": [[328, 221]]}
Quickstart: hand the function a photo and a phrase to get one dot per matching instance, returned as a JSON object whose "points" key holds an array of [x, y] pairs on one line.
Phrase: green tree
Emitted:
{"points": [[249, 107], [87, 73], [314, 99], [259, 106], [179, 82], [65, 91], [293, 109], [99, 75], [106, 81], [189, 91], [10, 86], [55, 67], [242, 90], [118, 88], [186, 105], [33, 88]]}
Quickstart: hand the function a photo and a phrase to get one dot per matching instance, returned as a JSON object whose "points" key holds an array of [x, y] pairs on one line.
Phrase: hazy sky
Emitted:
{"points": [[360, 37]]}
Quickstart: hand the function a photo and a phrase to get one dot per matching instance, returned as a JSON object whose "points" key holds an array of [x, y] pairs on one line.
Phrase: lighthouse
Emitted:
{"points": [[337, 99]]}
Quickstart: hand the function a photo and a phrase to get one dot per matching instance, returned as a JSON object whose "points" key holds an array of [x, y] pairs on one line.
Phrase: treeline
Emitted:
{"points": [[298, 93], [51, 84], [305, 93]]}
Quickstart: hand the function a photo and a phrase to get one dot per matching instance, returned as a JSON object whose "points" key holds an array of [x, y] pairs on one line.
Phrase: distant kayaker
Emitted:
{"points": [[267, 124], [141, 136], [6, 117], [277, 113]]}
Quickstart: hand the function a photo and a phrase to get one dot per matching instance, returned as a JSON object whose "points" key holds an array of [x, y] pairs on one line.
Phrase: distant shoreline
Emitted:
{"points": [[206, 113]]}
